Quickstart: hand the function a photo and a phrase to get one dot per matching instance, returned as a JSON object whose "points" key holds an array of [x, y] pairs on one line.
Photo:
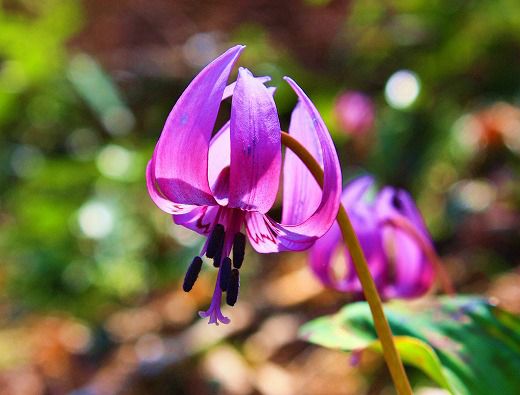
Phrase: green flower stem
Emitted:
{"points": [[392, 358]]}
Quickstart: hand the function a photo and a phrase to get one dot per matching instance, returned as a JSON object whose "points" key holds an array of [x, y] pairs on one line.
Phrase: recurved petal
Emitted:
{"points": [[325, 214], [301, 192], [255, 146], [199, 219], [164, 204], [266, 235], [181, 155]]}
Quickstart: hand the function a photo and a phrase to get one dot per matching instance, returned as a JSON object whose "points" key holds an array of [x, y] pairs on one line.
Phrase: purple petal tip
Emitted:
{"points": [[244, 70], [238, 47]]}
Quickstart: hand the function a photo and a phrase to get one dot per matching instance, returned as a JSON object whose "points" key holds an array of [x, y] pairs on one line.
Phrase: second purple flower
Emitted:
{"points": [[392, 234]]}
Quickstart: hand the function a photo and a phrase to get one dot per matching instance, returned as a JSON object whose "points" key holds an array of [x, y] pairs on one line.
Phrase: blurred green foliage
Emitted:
{"points": [[457, 341]]}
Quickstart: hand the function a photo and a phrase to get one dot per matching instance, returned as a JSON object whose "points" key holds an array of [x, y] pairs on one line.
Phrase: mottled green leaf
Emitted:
{"points": [[465, 344]]}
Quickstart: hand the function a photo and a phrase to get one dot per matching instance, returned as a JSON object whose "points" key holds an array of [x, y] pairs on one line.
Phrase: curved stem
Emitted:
{"points": [[384, 333]]}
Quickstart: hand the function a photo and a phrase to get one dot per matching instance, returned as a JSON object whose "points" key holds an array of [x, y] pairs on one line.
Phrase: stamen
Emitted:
{"points": [[232, 291], [215, 241], [225, 274], [217, 258], [239, 248], [192, 274]]}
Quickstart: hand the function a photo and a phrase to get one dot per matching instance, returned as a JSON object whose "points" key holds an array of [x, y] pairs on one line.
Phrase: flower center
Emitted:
{"points": [[224, 238]]}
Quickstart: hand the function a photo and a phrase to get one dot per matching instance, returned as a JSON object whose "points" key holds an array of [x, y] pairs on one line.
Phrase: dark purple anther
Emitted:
{"points": [[217, 258], [239, 248], [225, 274], [232, 290], [192, 274], [216, 241]]}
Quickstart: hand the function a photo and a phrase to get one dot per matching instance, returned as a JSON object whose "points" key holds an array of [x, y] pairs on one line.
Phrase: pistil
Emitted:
{"points": [[224, 238]]}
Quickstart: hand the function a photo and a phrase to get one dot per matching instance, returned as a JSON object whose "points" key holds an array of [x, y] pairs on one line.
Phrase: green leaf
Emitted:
{"points": [[465, 344]]}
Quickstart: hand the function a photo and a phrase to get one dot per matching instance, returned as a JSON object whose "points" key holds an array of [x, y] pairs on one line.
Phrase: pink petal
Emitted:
{"points": [[301, 192], [228, 92], [266, 235], [355, 191], [408, 261], [414, 273], [161, 202], [181, 155], [392, 201], [321, 220], [322, 253], [255, 146], [219, 158], [199, 219], [302, 235]]}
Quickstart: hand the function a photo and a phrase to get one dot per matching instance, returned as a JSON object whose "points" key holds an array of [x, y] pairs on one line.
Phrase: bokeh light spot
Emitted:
{"points": [[114, 161], [475, 195], [402, 89], [96, 220], [200, 49]]}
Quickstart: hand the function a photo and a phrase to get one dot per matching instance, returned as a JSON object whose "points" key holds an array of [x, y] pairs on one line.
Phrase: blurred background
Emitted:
{"points": [[425, 95]]}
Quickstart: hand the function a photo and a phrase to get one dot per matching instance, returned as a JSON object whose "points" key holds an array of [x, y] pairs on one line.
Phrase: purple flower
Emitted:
{"points": [[392, 234], [220, 185], [355, 112]]}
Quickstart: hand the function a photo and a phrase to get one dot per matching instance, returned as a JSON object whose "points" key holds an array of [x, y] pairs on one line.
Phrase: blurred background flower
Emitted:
{"points": [[393, 237], [355, 112], [91, 272]]}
